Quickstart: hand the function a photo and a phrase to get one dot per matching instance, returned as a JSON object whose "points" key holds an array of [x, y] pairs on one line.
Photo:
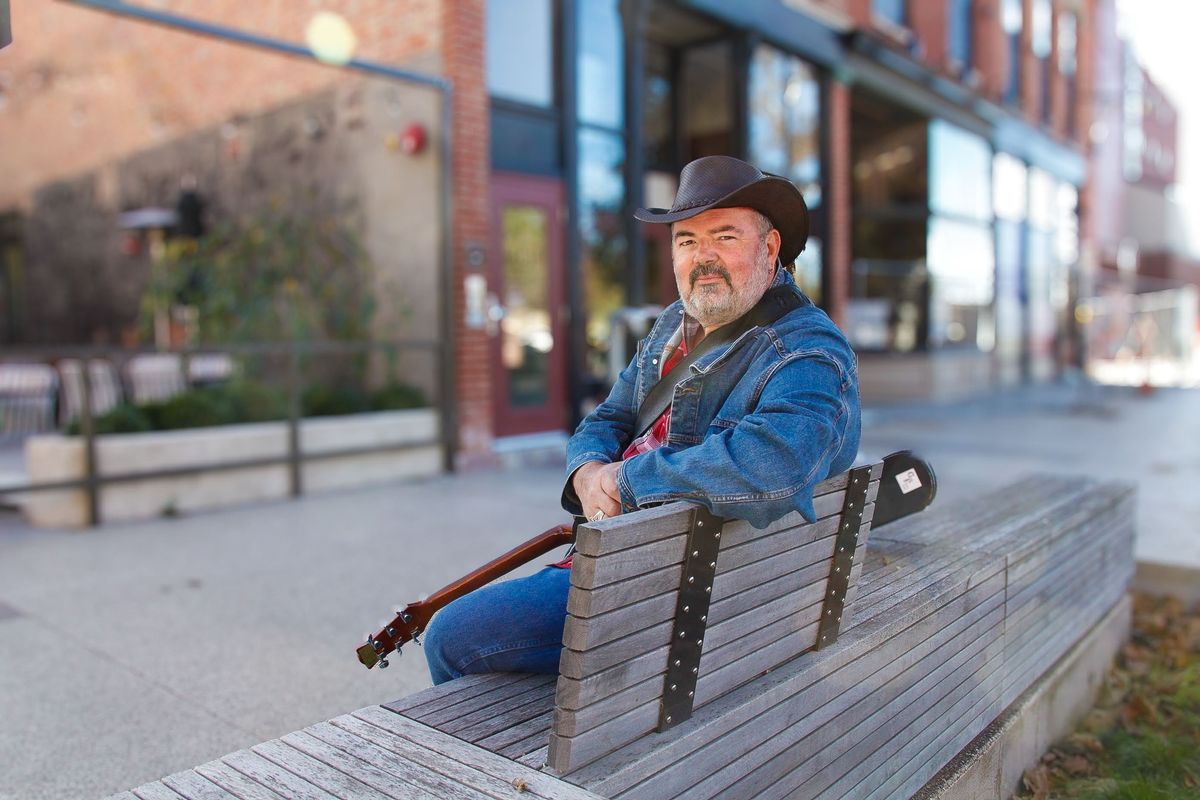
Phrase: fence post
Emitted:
{"points": [[295, 478], [88, 429]]}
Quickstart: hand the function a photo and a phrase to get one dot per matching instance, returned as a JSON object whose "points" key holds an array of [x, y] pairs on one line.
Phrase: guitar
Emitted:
{"points": [[411, 622]]}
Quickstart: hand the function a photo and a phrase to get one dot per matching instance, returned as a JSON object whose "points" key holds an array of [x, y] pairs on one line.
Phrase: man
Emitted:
{"points": [[758, 403]]}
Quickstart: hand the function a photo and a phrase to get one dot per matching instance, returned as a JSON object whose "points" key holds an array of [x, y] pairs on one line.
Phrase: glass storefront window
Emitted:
{"points": [[1039, 28], [657, 114], [962, 267], [1009, 187], [890, 10], [1012, 19], [958, 32], [1067, 214], [1042, 188], [785, 118], [808, 270], [520, 51], [962, 260], [960, 172], [601, 87], [708, 112], [892, 170], [602, 236], [527, 331], [1066, 43]]}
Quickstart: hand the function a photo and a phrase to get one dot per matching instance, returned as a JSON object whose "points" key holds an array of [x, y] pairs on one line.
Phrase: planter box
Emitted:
{"points": [[56, 458]]}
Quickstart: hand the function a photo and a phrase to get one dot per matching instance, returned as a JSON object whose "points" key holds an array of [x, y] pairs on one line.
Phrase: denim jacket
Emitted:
{"points": [[754, 427]]}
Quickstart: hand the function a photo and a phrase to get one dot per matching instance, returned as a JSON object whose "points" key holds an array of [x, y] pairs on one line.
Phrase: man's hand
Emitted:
{"points": [[596, 487]]}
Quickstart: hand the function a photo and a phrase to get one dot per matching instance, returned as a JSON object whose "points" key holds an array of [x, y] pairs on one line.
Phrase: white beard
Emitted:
{"points": [[717, 304]]}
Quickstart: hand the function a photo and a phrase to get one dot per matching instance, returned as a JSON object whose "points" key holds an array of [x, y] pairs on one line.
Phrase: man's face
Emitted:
{"points": [[723, 263]]}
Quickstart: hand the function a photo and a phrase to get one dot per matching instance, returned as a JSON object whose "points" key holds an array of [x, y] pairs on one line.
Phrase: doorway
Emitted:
{"points": [[526, 325]]}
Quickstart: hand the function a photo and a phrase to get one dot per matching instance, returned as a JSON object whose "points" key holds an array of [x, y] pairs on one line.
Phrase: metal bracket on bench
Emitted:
{"points": [[691, 618], [845, 543]]}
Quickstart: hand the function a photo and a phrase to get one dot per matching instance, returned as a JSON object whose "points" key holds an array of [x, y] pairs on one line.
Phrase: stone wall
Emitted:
{"points": [[334, 152]]}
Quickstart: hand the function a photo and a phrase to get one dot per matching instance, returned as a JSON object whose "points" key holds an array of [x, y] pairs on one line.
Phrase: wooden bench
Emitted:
{"points": [[946, 618]]}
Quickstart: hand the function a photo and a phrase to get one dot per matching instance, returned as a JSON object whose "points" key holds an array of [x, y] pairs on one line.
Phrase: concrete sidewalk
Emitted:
{"points": [[133, 651]]}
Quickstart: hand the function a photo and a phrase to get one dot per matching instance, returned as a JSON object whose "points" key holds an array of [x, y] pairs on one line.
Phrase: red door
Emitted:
{"points": [[525, 277]]}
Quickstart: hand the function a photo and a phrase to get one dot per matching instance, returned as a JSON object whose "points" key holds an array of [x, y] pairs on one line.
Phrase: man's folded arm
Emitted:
{"points": [[767, 464], [604, 434]]}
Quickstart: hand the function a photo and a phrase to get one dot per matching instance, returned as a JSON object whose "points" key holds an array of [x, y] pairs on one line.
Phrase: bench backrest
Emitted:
{"points": [[768, 596]]}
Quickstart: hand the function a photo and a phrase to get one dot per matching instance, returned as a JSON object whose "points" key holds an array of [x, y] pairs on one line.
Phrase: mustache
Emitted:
{"points": [[704, 270]]}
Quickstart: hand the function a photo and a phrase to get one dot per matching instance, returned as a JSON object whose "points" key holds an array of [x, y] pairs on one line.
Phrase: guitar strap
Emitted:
{"points": [[773, 305]]}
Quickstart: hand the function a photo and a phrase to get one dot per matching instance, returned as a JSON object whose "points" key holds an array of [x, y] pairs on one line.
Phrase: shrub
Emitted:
{"points": [[199, 408], [396, 396], [248, 401], [329, 401], [124, 418]]}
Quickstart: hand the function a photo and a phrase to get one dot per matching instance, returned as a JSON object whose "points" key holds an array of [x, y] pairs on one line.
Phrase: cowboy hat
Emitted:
{"points": [[726, 182]]}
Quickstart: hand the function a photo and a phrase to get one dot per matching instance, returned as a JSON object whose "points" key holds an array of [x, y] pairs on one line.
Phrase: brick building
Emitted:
{"points": [[943, 149], [1138, 227]]}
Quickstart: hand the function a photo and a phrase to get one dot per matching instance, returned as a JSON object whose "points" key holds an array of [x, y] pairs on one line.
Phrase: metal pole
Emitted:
{"points": [[295, 478], [447, 372], [88, 430]]}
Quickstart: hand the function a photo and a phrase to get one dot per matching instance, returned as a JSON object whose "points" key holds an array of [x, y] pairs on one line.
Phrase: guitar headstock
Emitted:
{"points": [[406, 626]]}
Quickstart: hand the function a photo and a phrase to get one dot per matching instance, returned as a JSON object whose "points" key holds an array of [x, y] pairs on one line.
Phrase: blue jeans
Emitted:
{"points": [[511, 626]]}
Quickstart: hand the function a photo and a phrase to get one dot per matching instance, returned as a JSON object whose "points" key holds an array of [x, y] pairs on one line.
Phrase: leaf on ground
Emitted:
{"points": [[1099, 720], [1078, 766], [1137, 710], [1081, 743], [1037, 782]]}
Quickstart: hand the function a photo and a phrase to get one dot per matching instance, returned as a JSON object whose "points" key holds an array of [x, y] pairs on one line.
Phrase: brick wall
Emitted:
{"points": [[463, 21], [81, 88], [929, 21], [988, 48], [837, 293]]}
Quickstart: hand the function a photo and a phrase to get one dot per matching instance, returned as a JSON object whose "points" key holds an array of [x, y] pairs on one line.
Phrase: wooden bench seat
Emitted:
{"points": [[956, 611]]}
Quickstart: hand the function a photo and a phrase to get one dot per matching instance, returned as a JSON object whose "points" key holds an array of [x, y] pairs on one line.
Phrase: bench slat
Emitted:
{"points": [[858, 654], [523, 738], [417, 772], [464, 715], [275, 778], [353, 755], [420, 771], [536, 704], [767, 599], [660, 522], [195, 787], [912, 744], [834, 705], [154, 791], [594, 602], [539, 784], [815, 761], [599, 657], [811, 559], [634, 663], [317, 772], [436, 698], [235, 782]]}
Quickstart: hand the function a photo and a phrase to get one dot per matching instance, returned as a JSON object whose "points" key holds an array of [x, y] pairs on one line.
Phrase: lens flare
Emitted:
{"points": [[330, 38]]}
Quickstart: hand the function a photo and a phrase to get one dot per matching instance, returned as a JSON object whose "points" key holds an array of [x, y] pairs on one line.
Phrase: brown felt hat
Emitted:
{"points": [[727, 182]]}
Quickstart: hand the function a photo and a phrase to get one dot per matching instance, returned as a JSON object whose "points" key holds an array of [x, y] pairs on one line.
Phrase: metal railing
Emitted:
{"points": [[1146, 338], [65, 386]]}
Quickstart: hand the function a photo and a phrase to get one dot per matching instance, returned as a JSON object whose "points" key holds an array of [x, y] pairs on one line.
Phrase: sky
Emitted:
{"points": [[1163, 34]]}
